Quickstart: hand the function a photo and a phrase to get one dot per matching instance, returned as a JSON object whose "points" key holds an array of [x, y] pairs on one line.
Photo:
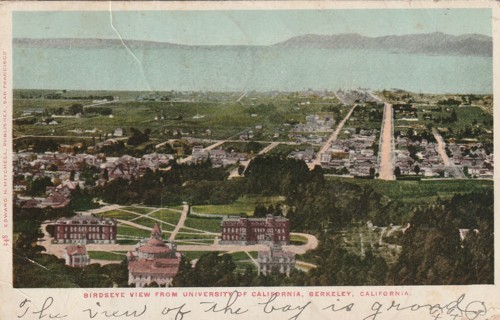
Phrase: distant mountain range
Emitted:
{"points": [[431, 43]]}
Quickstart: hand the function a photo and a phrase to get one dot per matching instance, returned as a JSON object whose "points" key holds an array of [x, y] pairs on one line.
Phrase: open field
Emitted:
{"points": [[164, 214], [193, 114], [128, 232], [150, 223], [167, 216], [207, 224], [140, 210], [118, 214]]}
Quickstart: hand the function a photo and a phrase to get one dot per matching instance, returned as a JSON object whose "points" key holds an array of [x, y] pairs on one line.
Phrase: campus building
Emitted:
{"points": [[276, 259], [85, 229], [153, 260], [245, 231]]}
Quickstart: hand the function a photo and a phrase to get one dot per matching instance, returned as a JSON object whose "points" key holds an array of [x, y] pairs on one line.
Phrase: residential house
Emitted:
{"points": [[76, 256]]}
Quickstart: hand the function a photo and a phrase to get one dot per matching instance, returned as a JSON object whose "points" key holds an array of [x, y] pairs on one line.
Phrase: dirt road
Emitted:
{"points": [[386, 150]]}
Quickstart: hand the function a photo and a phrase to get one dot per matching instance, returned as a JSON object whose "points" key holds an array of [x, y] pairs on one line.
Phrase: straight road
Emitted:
{"points": [[454, 170], [386, 150], [213, 146], [331, 139]]}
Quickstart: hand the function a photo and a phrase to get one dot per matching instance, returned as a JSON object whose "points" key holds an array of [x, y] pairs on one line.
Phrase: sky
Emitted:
{"points": [[246, 27]]}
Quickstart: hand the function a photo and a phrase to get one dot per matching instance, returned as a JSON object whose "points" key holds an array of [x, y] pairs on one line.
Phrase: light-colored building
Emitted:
{"points": [[276, 259], [118, 132], [76, 256]]}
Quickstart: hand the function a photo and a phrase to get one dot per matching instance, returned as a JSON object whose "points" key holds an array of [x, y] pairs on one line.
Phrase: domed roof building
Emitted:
{"points": [[153, 260]]}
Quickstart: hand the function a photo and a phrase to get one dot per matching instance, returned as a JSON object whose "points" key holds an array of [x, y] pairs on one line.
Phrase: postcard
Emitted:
{"points": [[248, 160]]}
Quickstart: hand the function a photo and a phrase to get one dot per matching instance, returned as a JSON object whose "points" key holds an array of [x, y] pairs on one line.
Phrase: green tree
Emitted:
{"points": [[397, 172], [76, 108]]}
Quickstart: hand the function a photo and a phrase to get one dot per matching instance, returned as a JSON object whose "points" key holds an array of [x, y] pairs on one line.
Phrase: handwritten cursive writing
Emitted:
{"points": [[229, 307], [114, 313], [179, 315], [456, 309], [270, 307], [42, 312], [336, 308], [276, 307]]}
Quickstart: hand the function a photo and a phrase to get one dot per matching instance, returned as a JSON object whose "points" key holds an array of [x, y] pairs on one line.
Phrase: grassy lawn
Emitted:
{"points": [[150, 223], [190, 242], [139, 210], [241, 255], [191, 255], [167, 216], [206, 224], [245, 205], [181, 236], [298, 240], [131, 231], [118, 214], [175, 208], [104, 255], [189, 230]]}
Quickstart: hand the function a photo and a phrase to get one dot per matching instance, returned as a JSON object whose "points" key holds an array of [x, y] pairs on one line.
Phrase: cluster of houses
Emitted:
{"points": [[479, 163], [218, 157], [354, 155], [428, 162], [313, 131], [126, 167], [314, 123], [64, 170], [306, 155]]}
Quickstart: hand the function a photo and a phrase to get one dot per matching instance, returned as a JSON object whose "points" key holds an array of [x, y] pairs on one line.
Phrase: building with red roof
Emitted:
{"points": [[153, 260]]}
